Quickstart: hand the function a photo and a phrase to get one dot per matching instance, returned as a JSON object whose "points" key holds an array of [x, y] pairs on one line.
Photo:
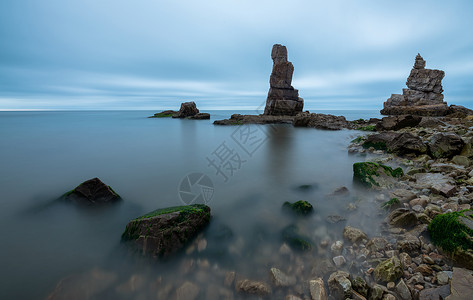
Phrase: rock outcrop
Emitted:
{"points": [[91, 193], [321, 121], [282, 99], [422, 97], [188, 109], [165, 231]]}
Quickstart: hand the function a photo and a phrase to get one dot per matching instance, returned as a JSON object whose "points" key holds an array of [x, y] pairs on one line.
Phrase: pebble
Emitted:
{"points": [[390, 285]]}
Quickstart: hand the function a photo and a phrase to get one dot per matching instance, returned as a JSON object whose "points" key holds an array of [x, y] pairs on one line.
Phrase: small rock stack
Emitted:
{"points": [[424, 94], [283, 99]]}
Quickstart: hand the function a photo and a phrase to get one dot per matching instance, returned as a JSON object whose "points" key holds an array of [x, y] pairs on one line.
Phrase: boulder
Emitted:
{"points": [[402, 217], [462, 284], [292, 235], [317, 289], [339, 285], [407, 143], [279, 278], [409, 244], [398, 122], [165, 231], [372, 174], [403, 291], [188, 109], [359, 285], [84, 286], [91, 193], [446, 144], [300, 207], [437, 293], [458, 245], [354, 235], [423, 96], [321, 121], [282, 99], [388, 270]]}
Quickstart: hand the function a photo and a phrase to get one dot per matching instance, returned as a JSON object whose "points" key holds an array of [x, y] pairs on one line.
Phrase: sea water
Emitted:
{"points": [[250, 170]]}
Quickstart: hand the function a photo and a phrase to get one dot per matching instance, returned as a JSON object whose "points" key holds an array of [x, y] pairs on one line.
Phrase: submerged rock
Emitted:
{"points": [[293, 237], [165, 231], [299, 208], [283, 99], [83, 286], [371, 174], [353, 234], [251, 287], [91, 192], [280, 278]]}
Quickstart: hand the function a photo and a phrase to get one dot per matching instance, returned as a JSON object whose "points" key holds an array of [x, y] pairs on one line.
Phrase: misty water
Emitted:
{"points": [[45, 154]]}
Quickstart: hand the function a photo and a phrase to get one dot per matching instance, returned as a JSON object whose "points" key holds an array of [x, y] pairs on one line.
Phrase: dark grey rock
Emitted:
{"points": [[91, 192], [188, 109]]}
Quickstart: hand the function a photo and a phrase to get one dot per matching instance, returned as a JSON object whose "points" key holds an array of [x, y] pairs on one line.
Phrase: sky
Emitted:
{"points": [[155, 54]]}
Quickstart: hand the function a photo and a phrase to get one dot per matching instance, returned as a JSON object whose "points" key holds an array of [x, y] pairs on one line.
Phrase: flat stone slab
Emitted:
{"points": [[462, 284]]}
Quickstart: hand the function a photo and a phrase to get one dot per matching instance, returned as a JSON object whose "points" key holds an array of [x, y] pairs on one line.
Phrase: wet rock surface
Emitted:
{"points": [[92, 192], [166, 231]]}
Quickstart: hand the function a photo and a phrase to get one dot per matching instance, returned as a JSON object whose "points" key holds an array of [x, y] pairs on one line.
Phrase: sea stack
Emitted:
{"points": [[283, 99], [423, 96]]}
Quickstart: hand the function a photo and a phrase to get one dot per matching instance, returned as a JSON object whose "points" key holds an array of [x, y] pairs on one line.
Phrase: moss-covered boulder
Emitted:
{"points": [[371, 174], [388, 270], [293, 237], [300, 207], [165, 231], [453, 232], [92, 192]]}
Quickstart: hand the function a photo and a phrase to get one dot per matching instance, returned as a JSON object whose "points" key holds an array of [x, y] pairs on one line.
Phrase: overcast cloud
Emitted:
{"points": [[154, 54]]}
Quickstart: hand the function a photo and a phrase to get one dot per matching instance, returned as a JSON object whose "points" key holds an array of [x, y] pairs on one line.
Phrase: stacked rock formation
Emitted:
{"points": [[424, 94], [283, 99]]}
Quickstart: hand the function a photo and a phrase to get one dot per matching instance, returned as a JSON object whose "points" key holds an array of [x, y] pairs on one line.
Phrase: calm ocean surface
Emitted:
{"points": [[45, 154]]}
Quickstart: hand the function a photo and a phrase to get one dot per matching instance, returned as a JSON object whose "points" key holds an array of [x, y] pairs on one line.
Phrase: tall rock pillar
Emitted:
{"points": [[283, 99]]}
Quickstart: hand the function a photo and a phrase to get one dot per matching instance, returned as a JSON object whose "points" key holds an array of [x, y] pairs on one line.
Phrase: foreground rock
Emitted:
{"points": [[322, 121], [165, 231], [91, 193], [371, 174], [422, 97], [460, 244], [462, 284], [282, 99], [188, 109], [237, 119], [251, 287]]}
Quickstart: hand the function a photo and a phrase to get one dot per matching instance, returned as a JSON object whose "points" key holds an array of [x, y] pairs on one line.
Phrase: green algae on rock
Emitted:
{"points": [[371, 174], [388, 270], [453, 232], [300, 207], [165, 231]]}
